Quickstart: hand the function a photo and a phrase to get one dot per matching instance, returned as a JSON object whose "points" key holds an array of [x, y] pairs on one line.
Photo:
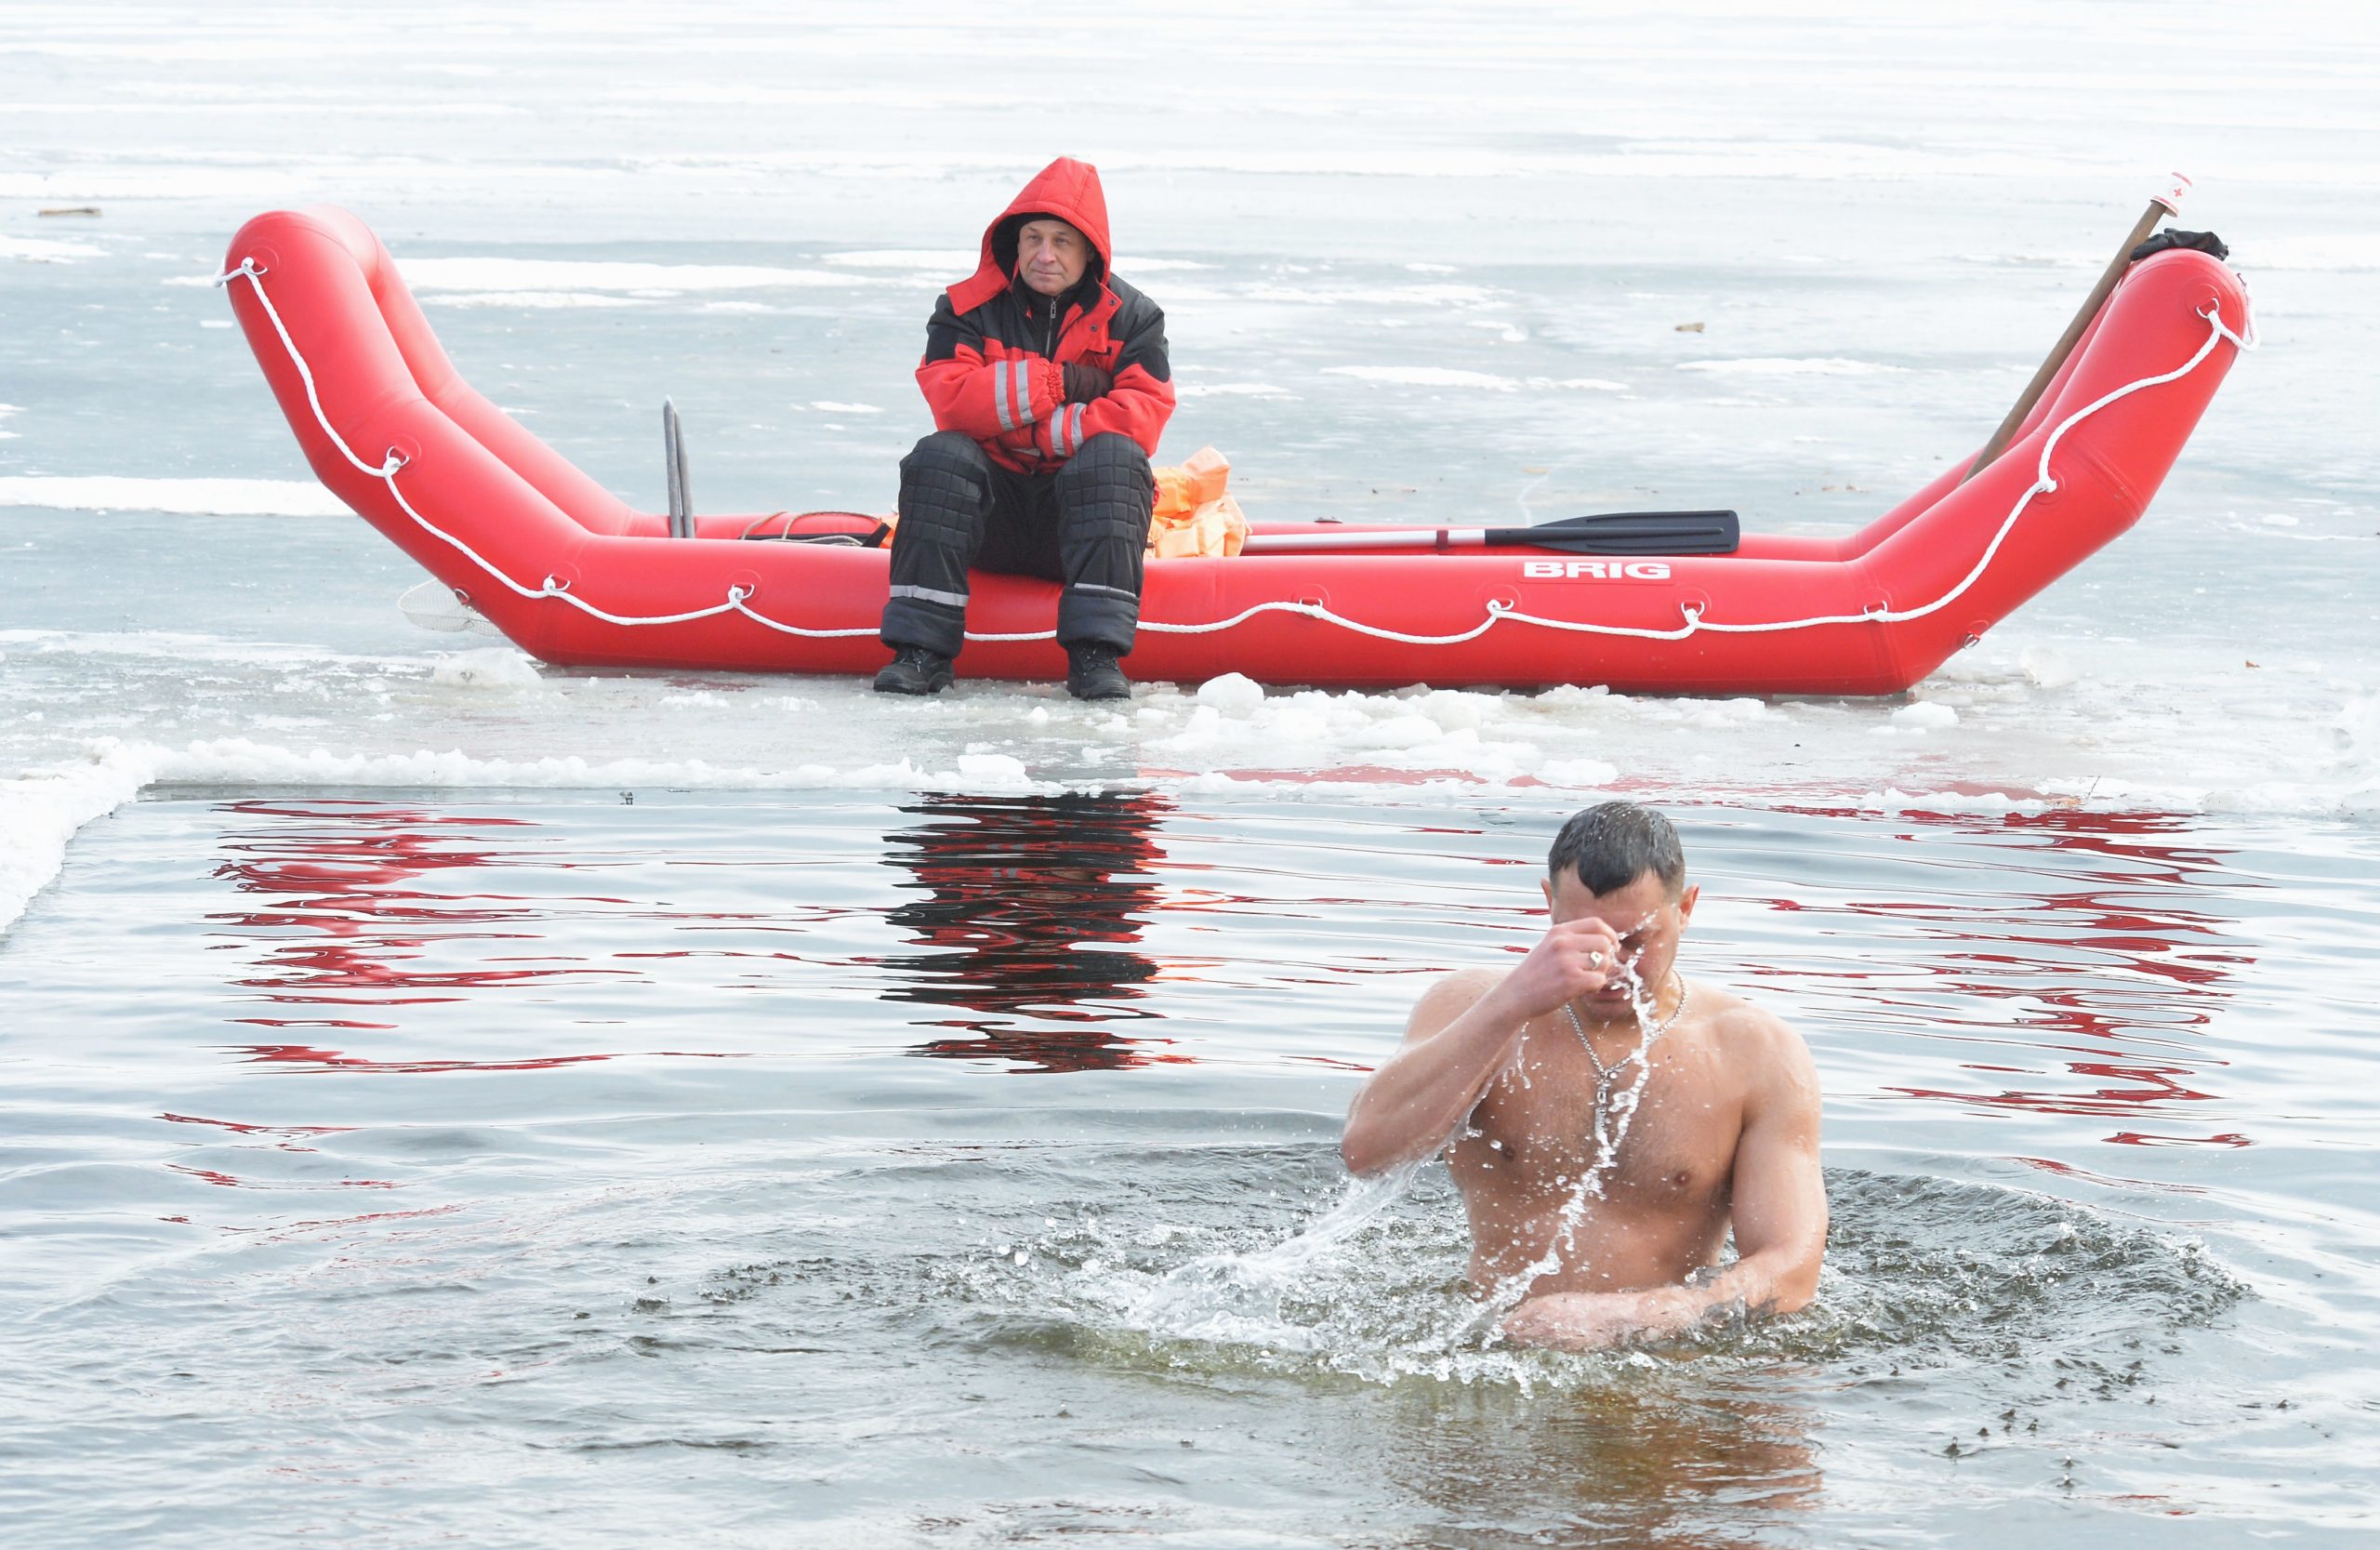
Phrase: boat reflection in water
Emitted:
{"points": [[2083, 981], [369, 913], [1031, 906]]}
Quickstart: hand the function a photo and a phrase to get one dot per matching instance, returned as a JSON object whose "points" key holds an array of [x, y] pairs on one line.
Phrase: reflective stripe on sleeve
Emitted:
{"points": [[999, 392]]}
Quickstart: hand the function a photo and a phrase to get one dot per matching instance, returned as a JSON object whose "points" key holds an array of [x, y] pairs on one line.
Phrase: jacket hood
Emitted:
{"points": [[1067, 189]]}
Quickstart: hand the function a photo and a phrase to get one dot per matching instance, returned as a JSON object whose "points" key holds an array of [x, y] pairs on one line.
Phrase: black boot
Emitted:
{"points": [[917, 671], [1091, 673]]}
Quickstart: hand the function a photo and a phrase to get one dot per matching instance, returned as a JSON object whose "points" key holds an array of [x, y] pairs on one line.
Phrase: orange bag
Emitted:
{"points": [[1195, 515]]}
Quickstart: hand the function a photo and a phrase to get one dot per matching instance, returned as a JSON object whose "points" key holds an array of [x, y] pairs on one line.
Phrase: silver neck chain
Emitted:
{"points": [[1612, 1113]]}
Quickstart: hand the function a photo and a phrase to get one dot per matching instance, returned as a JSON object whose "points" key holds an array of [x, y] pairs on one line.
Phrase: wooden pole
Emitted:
{"points": [[2166, 204]]}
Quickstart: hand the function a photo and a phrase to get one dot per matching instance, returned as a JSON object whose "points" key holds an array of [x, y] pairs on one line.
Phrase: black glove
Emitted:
{"points": [[2201, 242], [1086, 382]]}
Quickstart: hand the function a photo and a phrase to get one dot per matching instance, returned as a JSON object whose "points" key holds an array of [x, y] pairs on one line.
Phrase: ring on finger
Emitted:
{"points": [[1594, 961]]}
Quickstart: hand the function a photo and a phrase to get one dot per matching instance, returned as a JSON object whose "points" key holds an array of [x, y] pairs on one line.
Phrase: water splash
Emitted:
{"points": [[1240, 1296], [1609, 1132], [1922, 1275]]}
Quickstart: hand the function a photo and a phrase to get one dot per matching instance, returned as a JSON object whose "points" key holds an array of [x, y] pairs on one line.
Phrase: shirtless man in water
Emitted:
{"points": [[1500, 1070]]}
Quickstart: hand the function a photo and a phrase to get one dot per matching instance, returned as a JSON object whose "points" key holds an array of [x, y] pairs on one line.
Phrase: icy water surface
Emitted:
{"points": [[1418, 265], [448, 1098], [930, 1170]]}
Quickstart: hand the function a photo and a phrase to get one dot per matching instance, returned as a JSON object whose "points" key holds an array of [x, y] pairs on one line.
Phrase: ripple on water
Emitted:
{"points": [[1239, 1275]]}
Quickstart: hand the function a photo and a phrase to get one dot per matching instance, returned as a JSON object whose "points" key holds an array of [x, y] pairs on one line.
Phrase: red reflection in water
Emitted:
{"points": [[1364, 775], [233, 1181], [310, 1058], [287, 1134], [2068, 1170], [1035, 905], [343, 873], [2100, 953], [2154, 1085]]}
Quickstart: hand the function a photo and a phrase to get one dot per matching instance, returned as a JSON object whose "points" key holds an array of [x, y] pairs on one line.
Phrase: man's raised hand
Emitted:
{"points": [[1085, 382], [1574, 958]]}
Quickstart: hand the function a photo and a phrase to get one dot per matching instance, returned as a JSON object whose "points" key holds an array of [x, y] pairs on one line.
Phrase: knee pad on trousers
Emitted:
{"points": [[1107, 490], [1108, 459], [946, 486]]}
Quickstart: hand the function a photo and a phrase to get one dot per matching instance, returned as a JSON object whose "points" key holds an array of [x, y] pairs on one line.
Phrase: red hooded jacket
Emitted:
{"points": [[994, 348]]}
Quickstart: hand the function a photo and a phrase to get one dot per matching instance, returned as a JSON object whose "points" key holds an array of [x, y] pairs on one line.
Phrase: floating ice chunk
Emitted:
{"points": [[434, 605], [488, 668], [1234, 694], [1456, 710], [1397, 731], [2355, 729], [2046, 667], [1727, 713], [1925, 715], [47, 807], [992, 767], [1579, 772]]}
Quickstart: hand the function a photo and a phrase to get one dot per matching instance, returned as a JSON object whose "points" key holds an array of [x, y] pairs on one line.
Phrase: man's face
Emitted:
{"points": [[1051, 256], [1647, 922]]}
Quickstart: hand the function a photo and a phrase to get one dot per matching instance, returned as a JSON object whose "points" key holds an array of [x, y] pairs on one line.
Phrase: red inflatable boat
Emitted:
{"points": [[573, 576]]}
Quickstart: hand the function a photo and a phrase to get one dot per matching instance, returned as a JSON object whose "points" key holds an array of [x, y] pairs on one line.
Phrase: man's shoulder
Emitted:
{"points": [[1450, 995], [946, 310], [1469, 983], [1131, 301], [1754, 1041], [1746, 1028]]}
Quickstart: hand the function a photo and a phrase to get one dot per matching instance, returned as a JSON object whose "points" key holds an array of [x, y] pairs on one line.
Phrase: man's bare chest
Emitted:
{"points": [[1675, 1154]]}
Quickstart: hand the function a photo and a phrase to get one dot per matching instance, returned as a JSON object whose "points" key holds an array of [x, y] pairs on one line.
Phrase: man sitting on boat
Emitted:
{"points": [[1607, 1122], [1048, 381]]}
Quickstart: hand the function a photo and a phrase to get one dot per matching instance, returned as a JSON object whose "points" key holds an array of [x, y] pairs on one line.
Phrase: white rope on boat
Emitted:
{"points": [[1497, 611]]}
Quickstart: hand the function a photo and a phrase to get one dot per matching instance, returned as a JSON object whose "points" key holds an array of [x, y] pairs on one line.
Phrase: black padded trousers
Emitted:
{"points": [[1086, 526]]}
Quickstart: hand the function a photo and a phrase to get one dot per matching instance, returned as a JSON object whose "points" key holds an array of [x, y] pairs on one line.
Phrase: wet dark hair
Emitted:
{"points": [[1611, 845]]}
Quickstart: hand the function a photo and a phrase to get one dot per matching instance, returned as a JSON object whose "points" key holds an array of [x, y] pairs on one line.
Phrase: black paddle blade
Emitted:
{"points": [[1631, 533]]}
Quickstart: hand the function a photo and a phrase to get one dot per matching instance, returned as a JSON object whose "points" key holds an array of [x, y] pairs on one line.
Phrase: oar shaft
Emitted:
{"points": [[1418, 537], [2164, 204]]}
